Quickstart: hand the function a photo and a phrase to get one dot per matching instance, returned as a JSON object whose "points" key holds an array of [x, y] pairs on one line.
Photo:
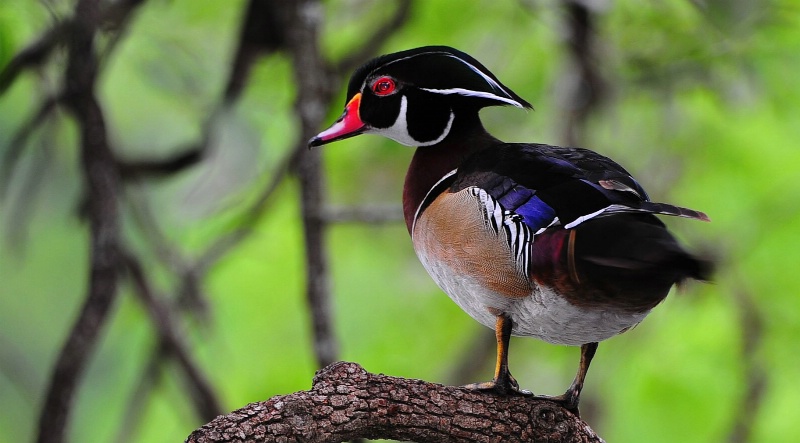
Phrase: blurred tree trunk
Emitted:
{"points": [[101, 187]]}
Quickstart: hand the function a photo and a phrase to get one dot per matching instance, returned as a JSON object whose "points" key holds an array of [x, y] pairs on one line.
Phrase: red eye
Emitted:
{"points": [[383, 86]]}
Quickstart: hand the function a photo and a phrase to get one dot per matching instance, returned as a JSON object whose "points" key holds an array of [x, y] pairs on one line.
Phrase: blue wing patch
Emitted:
{"points": [[536, 213], [524, 202]]}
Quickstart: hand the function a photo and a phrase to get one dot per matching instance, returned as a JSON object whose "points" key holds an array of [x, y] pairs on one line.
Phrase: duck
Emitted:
{"points": [[561, 244]]}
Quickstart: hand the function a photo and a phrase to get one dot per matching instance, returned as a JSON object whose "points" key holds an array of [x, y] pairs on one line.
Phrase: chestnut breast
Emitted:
{"points": [[454, 232]]}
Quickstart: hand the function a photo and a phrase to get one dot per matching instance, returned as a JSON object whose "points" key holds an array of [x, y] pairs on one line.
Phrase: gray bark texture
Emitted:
{"points": [[346, 402]]}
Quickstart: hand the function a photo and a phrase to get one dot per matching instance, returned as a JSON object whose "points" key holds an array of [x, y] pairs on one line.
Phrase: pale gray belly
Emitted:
{"points": [[543, 314], [475, 265]]}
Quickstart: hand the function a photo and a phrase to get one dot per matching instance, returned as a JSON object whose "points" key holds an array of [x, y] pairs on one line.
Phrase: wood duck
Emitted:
{"points": [[560, 244]]}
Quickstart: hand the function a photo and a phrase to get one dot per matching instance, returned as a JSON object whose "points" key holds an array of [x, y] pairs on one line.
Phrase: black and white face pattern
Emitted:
{"points": [[400, 131], [412, 97]]}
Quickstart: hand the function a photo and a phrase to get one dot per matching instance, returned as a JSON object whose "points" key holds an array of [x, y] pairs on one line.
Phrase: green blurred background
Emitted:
{"points": [[702, 107]]}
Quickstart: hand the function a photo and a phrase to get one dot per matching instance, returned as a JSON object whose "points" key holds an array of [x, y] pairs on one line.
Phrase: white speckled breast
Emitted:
{"points": [[474, 266]]}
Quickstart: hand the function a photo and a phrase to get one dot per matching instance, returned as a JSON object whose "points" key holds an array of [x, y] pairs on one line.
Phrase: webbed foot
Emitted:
{"points": [[504, 385]]}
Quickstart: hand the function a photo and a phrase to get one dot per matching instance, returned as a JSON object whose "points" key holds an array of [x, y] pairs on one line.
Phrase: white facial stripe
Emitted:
{"points": [[412, 56], [364, 85], [492, 82], [399, 130], [488, 79], [471, 93]]}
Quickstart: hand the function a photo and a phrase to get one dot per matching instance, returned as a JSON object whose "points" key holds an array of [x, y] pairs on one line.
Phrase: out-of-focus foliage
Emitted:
{"points": [[703, 110]]}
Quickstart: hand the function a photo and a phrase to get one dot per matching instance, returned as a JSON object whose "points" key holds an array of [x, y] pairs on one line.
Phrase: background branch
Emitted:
{"points": [[108, 16], [583, 82], [171, 341], [752, 335], [20, 139], [373, 215], [102, 182], [312, 101], [374, 42]]}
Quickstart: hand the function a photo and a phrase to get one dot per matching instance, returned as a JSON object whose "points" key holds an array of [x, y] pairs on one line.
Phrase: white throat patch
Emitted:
{"points": [[399, 129]]}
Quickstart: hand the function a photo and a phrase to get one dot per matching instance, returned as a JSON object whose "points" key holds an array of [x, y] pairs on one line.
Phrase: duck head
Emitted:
{"points": [[417, 97]]}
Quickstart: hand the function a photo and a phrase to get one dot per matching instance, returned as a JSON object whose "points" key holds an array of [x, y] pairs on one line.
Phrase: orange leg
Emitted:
{"points": [[503, 382], [571, 398]]}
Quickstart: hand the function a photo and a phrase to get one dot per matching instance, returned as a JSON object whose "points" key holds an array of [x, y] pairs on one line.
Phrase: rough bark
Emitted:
{"points": [[347, 402]]}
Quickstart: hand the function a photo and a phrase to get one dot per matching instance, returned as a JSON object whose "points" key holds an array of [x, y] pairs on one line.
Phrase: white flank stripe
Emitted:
{"points": [[611, 209], [416, 213], [552, 223], [583, 218]]}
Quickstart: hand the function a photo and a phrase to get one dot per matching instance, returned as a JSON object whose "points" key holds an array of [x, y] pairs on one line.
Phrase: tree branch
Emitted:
{"points": [[262, 32], [373, 215], [373, 42], [314, 86], [102, 182], [33, 55], [204, 398], [20, 139], [161, 167], [111, 16], [347, 402], [586, 87], [752, 330]]}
